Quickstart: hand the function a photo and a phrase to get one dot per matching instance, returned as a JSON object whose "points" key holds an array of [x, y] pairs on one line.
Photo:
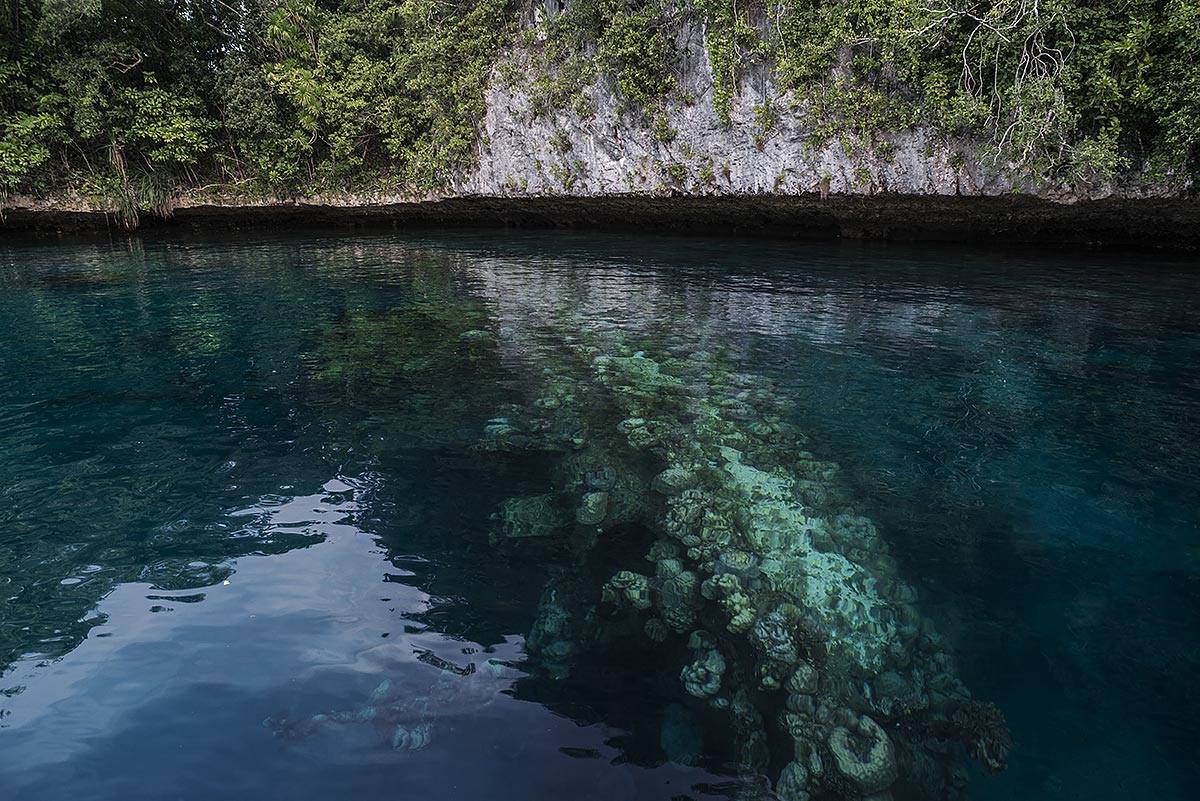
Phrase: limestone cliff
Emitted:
{"points": [[617, 150]]}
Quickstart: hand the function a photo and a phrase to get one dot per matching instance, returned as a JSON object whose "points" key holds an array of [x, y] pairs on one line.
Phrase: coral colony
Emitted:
{"points": [[797, 625]]}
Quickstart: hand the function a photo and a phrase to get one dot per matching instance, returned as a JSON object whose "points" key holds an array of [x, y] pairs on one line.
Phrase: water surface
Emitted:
{"points": [[242, 487]]}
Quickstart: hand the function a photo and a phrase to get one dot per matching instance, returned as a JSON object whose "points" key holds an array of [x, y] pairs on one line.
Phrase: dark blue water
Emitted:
{"points": [[242, 487]]}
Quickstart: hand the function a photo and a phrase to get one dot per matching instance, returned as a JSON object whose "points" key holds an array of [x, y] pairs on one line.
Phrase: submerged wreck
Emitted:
{"points": [[791, 620]]}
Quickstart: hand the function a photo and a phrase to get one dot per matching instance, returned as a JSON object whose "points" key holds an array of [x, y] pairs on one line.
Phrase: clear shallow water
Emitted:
{"points": [[299, 417]]}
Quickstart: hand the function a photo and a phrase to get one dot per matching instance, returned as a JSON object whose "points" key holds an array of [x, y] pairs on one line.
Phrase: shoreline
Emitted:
{"points": [[1163, 223]]}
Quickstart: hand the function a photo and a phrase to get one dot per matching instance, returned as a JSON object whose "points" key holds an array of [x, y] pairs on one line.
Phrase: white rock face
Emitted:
{"points": [[615, 152]]}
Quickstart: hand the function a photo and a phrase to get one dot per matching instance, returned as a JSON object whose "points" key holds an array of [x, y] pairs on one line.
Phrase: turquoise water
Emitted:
{"points": [[253, 537]]}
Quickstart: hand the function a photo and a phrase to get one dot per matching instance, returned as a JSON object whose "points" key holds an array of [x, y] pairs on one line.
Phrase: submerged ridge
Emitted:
{"points": [[799, 628]]}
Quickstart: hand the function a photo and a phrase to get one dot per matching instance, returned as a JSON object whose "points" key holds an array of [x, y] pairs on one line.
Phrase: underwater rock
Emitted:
{"points": [[676, 594], [498, 428], [864, 755], [660, 550], [673, 481], [656, 629], [592, 509], [627, 587], [740, 563], [702, 678], [726, 589], [594, 469], [981, 726], [772, 637], [803, 681], [600, 478], [854, 531], [828, 584], [684, 513], [772, 634], [793, 783], [637, 377], [532, 516], [894, 695], [551, 636], [641, 435], [753, 752]]}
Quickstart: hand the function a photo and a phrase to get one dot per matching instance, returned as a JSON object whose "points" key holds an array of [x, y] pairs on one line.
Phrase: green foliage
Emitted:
{"points": [[660, 129], [568, 174], [765, 120], [105, 96], [265, 144], [563, 67], [729, 37], [167, 128], [25, 143], [1060, 85], [382, 89], [839, 109], [1134, 79], [635, 46], [630, 42]]}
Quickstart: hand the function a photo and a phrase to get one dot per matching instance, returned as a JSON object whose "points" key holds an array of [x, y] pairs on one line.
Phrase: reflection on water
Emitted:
{"points": [[1020, 430], [195, 696]]}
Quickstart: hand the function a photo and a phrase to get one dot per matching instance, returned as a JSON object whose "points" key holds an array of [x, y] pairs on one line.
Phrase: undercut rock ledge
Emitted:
{"points": [[1163, 223]]}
